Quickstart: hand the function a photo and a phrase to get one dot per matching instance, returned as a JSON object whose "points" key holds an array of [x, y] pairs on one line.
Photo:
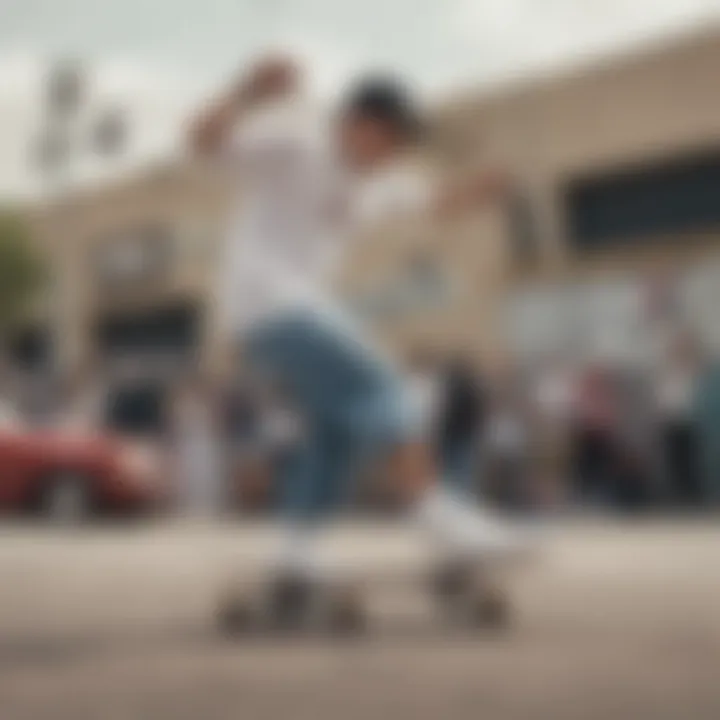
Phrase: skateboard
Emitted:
{"points": [[472, 597]]}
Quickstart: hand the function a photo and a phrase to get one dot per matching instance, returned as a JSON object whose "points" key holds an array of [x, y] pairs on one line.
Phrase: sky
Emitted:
{"points": [[158, 57]]}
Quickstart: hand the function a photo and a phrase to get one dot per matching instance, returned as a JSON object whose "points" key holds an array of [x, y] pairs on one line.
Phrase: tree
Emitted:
{"points": [[22, 271]]}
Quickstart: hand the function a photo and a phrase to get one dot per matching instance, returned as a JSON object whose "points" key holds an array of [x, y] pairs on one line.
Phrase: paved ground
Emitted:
{"points": [[618, 622]]}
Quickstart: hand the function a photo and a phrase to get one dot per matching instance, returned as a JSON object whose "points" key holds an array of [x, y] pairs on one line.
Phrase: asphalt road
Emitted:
{"points": [[617, 621]]}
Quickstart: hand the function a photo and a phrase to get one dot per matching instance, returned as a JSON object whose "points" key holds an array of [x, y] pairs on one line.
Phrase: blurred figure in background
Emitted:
{"points": [[246, 478], [507, 444], [81, 398], [594, 436], [636, 479], [676, 392], [551, 411], [462, 409], [196, 452], [37, 402], [706, 408]]}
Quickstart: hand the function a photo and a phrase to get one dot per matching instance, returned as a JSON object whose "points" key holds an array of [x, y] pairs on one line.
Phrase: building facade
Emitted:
{"points": [[619, 166], [131, 289]]}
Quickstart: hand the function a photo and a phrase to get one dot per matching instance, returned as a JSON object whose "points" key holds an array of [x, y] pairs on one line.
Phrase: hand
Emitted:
{"points": [[207, 131], [270, 78]]}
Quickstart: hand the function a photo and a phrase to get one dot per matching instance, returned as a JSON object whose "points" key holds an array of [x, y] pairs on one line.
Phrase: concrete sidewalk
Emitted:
{"points": [[619, 621]]}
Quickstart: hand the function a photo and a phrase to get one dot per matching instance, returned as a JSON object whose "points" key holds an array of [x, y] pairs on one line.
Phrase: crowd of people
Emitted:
{"points": [[598, 435], [594, 435], [526, 435]]}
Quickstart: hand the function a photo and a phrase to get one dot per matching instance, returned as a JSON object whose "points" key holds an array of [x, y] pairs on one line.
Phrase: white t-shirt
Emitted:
{"points": [[298, 209]]}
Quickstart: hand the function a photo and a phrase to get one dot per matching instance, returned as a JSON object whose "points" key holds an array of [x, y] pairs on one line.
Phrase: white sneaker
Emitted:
{"points": [[467, 531]]}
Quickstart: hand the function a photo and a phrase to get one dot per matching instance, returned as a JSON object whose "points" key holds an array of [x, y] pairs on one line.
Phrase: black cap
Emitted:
{"points": [[386, 100]]}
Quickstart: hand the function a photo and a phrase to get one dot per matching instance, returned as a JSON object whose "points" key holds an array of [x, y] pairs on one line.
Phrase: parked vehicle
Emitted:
{"points": [[70, 474]]}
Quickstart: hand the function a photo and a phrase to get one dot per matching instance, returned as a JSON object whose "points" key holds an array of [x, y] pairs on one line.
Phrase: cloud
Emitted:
{"points": [[520, 36]]}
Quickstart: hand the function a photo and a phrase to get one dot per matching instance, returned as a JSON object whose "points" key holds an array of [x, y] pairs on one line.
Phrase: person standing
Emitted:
{"points": [[460, 425], [508, 449], [676, 392], [594, 436], [196, 451]]}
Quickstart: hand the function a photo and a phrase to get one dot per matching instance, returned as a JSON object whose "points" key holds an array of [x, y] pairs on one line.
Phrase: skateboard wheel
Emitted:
{"points": [[346, 616], [347, 623], [289, 604], [451, 581], [491, 611], [234, 617]]}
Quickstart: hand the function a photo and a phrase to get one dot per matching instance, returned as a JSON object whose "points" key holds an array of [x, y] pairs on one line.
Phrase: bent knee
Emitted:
{"points": [[383, 419]]}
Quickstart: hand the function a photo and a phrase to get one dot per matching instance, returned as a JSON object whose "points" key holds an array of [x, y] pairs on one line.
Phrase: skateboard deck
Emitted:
{"points": [[477, 595]]}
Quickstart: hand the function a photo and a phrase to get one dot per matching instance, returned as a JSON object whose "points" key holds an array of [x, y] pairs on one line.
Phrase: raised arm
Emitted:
{"points": [[269, 79]]}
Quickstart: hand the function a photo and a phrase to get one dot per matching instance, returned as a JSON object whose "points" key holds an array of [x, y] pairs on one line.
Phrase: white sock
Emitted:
{"points": [[299, 552]]}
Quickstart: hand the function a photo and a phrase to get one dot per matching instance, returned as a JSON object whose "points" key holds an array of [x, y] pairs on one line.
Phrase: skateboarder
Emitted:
{"points": [[308, 182]]}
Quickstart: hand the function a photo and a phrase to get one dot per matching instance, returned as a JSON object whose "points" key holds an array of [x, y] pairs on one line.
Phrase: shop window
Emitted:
{"points": [[645, 204], [174, 329]]}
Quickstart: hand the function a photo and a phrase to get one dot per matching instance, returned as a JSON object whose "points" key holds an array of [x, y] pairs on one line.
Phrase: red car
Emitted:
{"points": [[71, 474]]}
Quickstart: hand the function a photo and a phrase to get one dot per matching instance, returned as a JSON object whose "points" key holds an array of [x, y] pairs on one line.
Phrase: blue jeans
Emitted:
{"points": [[459, 464], [352, 402]]}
